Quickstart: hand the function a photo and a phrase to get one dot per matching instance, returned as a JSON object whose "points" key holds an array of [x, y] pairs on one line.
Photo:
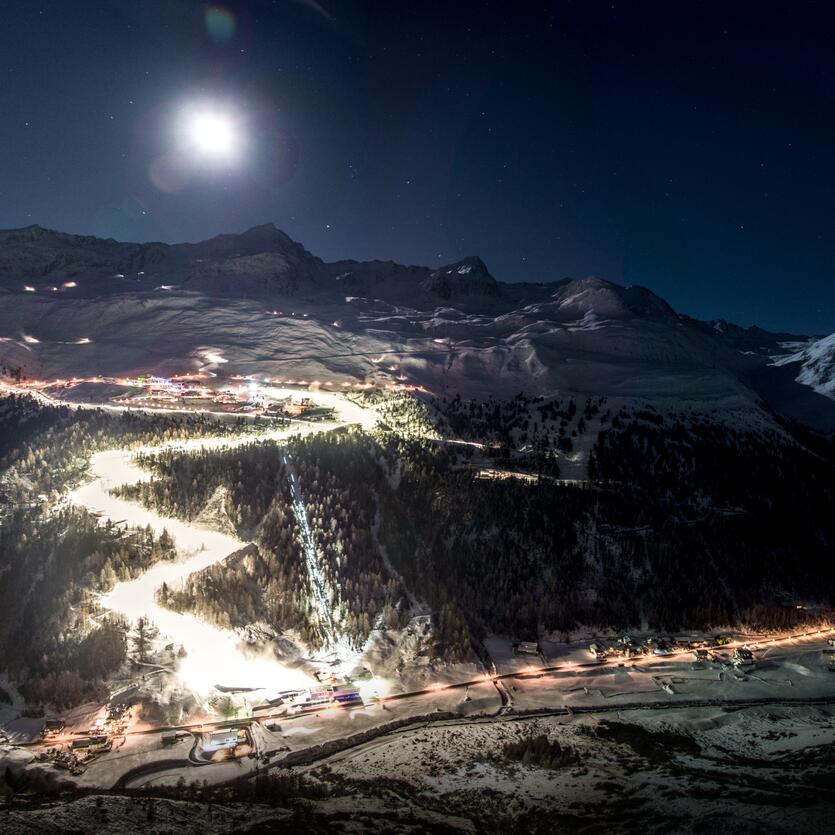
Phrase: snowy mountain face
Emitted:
{"points": [[466, 278], [814, 362], [260, 303]]}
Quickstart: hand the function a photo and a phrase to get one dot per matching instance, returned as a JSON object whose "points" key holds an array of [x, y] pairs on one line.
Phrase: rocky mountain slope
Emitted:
{"points": [[816, 360], [260, 303]]}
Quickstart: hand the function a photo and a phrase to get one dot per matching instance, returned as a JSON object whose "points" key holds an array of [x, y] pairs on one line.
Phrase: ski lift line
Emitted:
{"points": [[314, 570]]}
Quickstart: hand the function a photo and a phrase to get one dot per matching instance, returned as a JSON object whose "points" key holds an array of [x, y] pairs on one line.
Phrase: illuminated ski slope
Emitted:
{"points": [[213, 655]]}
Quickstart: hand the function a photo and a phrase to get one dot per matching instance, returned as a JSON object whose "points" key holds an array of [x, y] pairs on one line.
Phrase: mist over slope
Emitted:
{"points": [[260, 303]]}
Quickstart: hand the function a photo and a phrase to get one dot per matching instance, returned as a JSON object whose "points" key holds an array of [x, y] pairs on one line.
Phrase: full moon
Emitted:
{"points": [[210, 132], [213, 134]]}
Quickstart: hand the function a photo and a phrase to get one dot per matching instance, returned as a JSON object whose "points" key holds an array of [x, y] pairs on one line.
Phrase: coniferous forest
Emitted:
{"points": [[55, 558], [680, 523], [669, 530]]}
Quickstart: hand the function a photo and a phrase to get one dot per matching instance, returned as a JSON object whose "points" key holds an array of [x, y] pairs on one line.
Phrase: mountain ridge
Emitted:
{"points": [[80, 304], [464, 276]]}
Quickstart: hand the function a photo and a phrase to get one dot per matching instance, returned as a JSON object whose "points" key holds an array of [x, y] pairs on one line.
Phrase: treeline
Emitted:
{"points": [[52, 564], [521, 421], [706, 527], [402, 412], [54, 557], [687, 524], [501, 556], [736, 518], [249, 474], [540, 751], [486, 555], [43, 449]]}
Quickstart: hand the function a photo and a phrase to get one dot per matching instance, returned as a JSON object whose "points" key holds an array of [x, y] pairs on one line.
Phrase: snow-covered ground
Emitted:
{"points": [[816, 360], [109, 815], [750, 770]]}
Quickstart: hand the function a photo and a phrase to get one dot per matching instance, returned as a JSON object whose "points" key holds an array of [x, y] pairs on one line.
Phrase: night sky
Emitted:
{"points": [[688, 147]]}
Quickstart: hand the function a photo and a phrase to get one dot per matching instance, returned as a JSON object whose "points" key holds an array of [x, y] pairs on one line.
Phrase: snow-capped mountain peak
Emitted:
{"points": [[468, 277]]}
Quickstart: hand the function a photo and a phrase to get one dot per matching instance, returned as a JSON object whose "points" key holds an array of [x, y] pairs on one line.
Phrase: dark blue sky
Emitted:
{"points": [[689, 147]]}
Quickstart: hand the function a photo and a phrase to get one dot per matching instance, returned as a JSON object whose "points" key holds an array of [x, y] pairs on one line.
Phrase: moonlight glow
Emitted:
{"points": [[211, 133]]}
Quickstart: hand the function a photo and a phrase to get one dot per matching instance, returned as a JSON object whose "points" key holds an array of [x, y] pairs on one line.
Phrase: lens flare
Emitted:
{"points": [[220, 23]]}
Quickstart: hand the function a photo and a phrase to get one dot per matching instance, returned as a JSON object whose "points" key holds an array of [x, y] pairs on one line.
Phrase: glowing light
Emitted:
{"points": [[214, 357], [30, 340], [374, 688], [69, 285], [28, 288], [211, 133]]}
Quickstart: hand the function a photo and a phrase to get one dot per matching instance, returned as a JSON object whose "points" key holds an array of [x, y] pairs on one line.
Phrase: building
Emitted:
{"points": [[597, 649], [323, 698], [91, 744], [52, 727], [296, 408], [226, 739], [527, 648], [742, 657]]}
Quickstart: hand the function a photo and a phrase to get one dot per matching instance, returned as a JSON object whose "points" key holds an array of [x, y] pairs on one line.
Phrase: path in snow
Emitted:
{"points": [[214, 655]]}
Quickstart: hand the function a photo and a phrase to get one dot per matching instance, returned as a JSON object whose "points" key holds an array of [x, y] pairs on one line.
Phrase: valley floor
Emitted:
{"points": [[694, 770]]}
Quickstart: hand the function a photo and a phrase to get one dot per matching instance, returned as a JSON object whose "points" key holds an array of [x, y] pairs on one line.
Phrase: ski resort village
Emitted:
{"points": [[248, 615]]}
